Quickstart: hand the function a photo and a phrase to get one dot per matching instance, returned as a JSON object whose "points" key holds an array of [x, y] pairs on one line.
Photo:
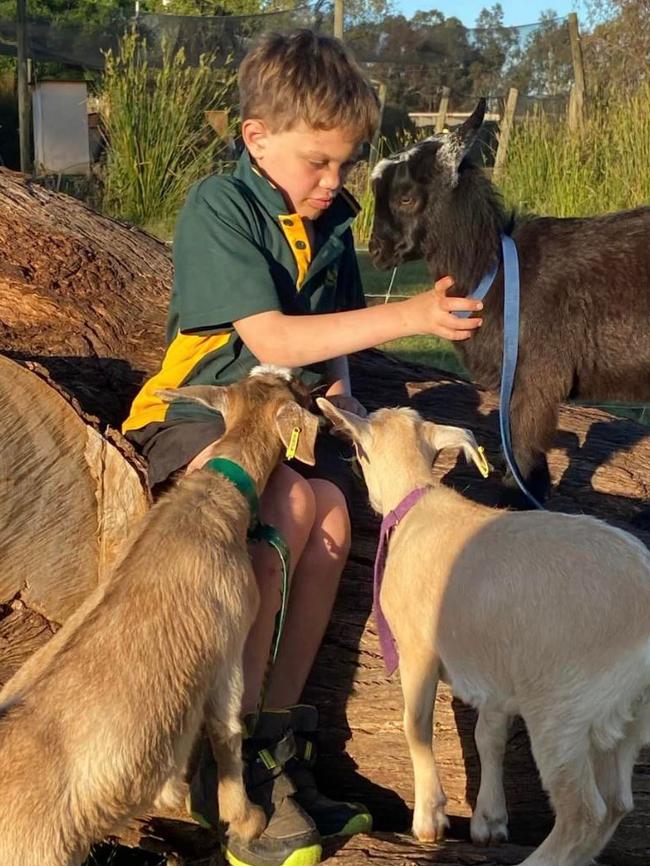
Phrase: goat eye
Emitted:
{"points": [[406, 200]]}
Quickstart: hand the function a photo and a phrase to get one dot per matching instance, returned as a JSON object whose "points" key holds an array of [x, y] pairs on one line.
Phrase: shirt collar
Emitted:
{"points": [[336, 218]]}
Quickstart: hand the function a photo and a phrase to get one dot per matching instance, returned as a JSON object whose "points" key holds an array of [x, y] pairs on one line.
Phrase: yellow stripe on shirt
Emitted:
{"points": [[296, 234], [182, 355]]}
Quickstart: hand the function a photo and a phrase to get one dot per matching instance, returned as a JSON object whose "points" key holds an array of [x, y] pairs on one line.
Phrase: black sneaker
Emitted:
{"points": [[331, 817], [290, 837]]}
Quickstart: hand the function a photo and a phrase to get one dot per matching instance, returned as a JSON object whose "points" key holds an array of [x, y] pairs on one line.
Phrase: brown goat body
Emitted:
{"points": [[585, 286], [103, 717]]}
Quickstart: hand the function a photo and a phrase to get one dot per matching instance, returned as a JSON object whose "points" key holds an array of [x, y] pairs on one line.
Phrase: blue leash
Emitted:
{"points": [[510, 348]]}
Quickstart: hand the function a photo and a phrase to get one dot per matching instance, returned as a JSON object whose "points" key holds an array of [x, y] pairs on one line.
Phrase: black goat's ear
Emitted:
{"points": [[456, 144]]}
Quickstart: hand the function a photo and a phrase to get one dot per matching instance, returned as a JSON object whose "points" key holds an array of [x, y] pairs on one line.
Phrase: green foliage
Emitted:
{"points": [[617, 48], [159, 143], [206, 7], [543, 64], [605, 168], [92, 13]]}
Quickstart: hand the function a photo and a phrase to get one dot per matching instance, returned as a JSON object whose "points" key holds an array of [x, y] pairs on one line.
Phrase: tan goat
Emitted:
{"points": [[99, 720], [532, 613]]}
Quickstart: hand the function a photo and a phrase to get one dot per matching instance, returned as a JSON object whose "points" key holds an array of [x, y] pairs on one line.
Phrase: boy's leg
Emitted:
{"points": [[313, 591], [288, 504]]}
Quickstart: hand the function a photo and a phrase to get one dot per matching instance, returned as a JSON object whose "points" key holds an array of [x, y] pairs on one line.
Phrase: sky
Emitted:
{"points": [[515, 11]]}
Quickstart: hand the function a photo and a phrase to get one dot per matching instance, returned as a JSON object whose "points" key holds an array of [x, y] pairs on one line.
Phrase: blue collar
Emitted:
{"points": [[510, 348]]}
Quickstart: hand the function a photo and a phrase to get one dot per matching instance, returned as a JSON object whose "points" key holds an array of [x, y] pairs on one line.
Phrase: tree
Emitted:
{"points": [[542, 66], [81, 12], [617, 50], [416, 57], [494, 44]]}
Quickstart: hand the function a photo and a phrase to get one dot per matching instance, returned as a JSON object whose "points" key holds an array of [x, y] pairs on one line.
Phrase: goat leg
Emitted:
{"points": [[419, 673], [489, 824], [223, 724], [533, 420]]}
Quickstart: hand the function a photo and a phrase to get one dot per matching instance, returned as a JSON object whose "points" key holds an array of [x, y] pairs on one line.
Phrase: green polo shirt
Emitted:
{"points": [[237, 252]]}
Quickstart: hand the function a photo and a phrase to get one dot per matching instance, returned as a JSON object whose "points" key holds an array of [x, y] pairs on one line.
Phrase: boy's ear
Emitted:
{"points": [[215, 397], [298, 429], [353, 426]]}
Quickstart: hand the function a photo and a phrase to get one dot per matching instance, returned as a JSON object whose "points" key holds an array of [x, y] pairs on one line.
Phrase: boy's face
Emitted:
{"points": [[308, 165]]}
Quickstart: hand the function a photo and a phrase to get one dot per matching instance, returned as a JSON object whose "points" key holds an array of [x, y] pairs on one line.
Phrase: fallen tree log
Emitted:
{"points": [[82, 308]]}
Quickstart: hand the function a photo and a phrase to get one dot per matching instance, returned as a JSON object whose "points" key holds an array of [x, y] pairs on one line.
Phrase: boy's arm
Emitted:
{"points": [[296, 341], [340, 391], [338, 376]]}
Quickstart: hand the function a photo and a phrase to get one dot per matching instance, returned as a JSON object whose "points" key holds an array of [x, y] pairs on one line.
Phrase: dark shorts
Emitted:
{"points": [[171, 446]]}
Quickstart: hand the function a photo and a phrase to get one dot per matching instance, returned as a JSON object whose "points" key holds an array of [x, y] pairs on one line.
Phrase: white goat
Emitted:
{"points": [[538, 614], [95, 724]]}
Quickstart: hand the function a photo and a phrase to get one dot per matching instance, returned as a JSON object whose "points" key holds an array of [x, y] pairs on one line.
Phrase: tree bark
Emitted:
{"points": [[82, 311]]}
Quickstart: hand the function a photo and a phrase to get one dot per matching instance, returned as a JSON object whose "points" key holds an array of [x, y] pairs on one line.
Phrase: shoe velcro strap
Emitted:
{"points": [[267, 759], [271, 754], [306, 749]]}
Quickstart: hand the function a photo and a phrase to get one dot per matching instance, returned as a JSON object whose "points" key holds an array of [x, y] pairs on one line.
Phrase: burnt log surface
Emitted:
{"points": [[82, 310], [82, 294]]}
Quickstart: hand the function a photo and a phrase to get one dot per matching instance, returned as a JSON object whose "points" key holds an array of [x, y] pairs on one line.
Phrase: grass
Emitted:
{"points": [[158, 139], [604, 168], [410, 279]]}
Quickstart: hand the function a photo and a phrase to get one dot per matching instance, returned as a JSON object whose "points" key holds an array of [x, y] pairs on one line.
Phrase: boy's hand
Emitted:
{"points": [[433, 313]]}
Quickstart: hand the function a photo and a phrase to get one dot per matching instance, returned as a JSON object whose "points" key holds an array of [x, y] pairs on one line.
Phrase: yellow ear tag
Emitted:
{"points": [[481, 462], [293, 443]]}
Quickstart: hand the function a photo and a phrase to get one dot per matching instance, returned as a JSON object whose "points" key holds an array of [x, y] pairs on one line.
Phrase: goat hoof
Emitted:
{"points": [[250, 826], [488, 831], [432, 829]]}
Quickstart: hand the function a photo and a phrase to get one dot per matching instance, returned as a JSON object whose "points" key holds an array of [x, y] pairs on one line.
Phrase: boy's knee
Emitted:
{"points": [[289, 494], [332, 513]]}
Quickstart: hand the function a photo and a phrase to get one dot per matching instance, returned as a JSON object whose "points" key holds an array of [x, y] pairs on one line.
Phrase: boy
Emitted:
{"points": [[265, 272]]}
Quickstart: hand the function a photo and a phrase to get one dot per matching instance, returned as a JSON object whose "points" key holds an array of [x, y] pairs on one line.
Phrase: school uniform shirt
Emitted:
{"points": [[237, 252]]}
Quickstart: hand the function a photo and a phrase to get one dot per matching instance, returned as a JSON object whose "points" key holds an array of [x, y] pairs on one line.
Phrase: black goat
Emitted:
{"points": [[585, 285]]}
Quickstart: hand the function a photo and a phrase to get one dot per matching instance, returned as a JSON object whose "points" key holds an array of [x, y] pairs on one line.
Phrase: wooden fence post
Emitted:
{"points": [[374, 145], [441, 117], [24, 108], [338, 19], [578, 107], [504, 134], [573, 120]]}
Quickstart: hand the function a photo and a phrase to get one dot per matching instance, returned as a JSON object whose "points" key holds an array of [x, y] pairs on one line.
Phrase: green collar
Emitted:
{"points": [[241, 479], [259, 532]]}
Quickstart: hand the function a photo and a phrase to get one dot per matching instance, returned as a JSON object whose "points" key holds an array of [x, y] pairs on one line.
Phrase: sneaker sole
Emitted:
{"points": [[308, 856], [358, 824]]}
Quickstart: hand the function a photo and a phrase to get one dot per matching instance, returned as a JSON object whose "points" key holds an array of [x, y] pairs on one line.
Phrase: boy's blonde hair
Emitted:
{"points": [[305, 76]]}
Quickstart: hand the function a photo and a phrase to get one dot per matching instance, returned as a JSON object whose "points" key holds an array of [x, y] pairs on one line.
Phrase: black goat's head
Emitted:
{"points": [[411, 186]]}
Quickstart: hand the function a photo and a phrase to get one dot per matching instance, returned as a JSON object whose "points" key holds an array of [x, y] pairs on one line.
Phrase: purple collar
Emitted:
{"points": [[390, 521]]}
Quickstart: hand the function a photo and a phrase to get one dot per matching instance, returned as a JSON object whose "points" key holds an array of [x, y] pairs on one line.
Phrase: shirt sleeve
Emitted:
{"points": [[350, 286], [222, 272]]}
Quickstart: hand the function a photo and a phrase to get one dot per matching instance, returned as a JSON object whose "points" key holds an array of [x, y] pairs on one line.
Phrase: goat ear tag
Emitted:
{"points": [[481, 461], [297, 428], [293, 443]]}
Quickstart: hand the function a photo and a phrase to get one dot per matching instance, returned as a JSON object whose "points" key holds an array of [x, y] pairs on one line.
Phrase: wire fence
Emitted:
{"points": [[415, 59]]}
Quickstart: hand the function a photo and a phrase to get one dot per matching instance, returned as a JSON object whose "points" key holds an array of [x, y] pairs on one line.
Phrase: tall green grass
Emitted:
{"points": [[605, 167], [158, 142]]}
